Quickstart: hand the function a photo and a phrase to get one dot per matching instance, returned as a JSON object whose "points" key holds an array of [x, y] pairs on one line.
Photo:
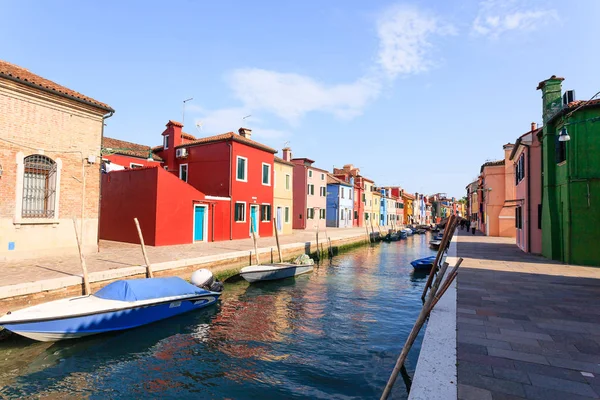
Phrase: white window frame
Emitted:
{"points": [[323, 191], [131, 164], [271, 212], [308, 189], [288, 182], [166, 142], [262, 172], [205, 238], [245, 211], [245, 169], [287, 213], [187, 172]]}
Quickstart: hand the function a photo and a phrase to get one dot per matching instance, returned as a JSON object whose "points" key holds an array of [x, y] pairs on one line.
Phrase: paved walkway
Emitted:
{"points": [[527, 328], [115, 255]]}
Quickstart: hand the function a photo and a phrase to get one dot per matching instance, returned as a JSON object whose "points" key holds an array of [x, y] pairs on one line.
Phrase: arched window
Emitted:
{"points": [[39, 187]]}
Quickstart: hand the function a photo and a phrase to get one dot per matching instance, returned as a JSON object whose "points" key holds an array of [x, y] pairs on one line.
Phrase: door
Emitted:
{"points": [[279, 217], [254, 219], [199, 212]]}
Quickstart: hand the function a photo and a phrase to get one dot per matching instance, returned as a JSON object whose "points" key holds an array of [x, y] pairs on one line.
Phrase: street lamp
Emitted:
{"points": [[564, 135]]}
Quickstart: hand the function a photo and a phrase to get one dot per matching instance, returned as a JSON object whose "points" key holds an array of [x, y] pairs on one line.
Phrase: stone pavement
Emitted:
{"points": [[115, 255], [527, 328]]}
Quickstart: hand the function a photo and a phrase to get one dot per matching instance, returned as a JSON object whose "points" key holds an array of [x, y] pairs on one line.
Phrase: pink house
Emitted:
{"points": [[498, 196], [526, 157], [310, 193]]}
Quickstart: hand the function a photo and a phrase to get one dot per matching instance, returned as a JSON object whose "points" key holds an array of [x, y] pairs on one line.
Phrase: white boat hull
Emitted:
{"points": [[270, 272]]}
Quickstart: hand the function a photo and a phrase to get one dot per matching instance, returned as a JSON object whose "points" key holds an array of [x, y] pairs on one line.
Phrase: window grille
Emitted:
{"points": [[39, 187]]}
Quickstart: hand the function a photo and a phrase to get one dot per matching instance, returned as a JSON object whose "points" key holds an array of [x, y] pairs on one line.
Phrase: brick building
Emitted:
{"points": [[50, 138]]}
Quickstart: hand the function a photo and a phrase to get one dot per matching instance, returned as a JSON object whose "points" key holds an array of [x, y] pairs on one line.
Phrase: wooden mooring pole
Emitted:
{"points": [[149, 273], [277, 239], [254, 240], [86, 280]]}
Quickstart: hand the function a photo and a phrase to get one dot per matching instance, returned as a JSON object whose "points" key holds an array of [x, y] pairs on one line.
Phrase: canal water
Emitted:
{"points": [[331, 334]]}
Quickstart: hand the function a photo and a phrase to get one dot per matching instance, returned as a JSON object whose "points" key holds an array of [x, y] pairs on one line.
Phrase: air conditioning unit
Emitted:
{"points": [[181, 153], [568, 97]]}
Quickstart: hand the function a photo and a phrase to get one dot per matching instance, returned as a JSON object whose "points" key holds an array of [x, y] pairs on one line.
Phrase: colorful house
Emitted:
{"points": [[472, 201], [408, 200], [120, 154], [351, 175], [571, 175], [368, 200], [310, 193], [50, 167], [283, 195], [384, 219], [340, 203], [376, 208], [526, 157], [228, 167]]}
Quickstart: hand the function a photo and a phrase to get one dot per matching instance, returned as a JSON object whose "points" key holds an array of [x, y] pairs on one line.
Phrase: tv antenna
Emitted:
{"points": [[247, 116], [183, 116]]}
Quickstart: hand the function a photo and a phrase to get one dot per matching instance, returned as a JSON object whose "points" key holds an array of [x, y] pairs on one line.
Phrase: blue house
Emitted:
{"points": [[384, 208], [340, 204]]}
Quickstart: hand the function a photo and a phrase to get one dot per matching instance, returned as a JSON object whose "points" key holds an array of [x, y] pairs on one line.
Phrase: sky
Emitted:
{"points": [[416, 94]]}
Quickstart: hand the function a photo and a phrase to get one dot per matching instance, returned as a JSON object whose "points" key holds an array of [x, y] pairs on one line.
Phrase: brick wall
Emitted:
{"points": [[63, 129]]}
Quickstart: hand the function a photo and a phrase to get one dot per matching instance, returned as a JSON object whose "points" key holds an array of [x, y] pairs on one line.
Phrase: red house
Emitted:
{"points": [[228, 167], [119, 154]]}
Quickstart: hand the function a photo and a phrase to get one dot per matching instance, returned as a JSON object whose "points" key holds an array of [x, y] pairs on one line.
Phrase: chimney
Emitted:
{"points": [[245, 132], [551, 96], [287, 153], [533, 126], [173, 131]]}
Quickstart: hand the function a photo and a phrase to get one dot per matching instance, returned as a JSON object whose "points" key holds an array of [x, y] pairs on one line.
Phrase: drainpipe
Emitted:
{"points": [[104, 118], [213, 221], [231, 204]]}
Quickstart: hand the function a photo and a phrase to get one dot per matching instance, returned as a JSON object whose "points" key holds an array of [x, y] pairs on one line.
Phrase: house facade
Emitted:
{"points": [[472, 201], [384, 219], [526, 157], [340, 203], [571, 175], [349, 174], [229, 167], [283, 195], [376, 208], [310, 193], [408, 200], [50, 167]]}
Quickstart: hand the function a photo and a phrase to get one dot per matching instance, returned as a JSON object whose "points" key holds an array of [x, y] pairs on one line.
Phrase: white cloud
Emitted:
{"points": [[498, 17], [405, 40], [290, 96]]}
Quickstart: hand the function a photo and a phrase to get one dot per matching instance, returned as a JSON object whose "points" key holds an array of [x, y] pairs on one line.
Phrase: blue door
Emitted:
{"points": [[254, 219], [198, 224]]}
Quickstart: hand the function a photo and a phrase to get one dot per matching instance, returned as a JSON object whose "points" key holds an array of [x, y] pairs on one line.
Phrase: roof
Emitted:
{"points": [[332, 180], [188, 136], [22, 75], [492, 164], [282, 161], [575, 106], [128, 148], [408, 196], [303, 159], [543, 83], [228, 136], [179, 124], [520, 140]]}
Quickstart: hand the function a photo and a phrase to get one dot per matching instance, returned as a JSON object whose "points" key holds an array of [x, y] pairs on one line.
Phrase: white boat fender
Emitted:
{"points": [[204, 279]]}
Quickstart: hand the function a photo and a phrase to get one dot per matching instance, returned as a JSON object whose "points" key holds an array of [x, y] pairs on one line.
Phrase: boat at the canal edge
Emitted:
{"points": [[123, 304], [423, 263], [271, 272]]}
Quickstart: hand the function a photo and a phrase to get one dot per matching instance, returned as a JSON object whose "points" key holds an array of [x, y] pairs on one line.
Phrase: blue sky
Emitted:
{"points": [[417, 94]]}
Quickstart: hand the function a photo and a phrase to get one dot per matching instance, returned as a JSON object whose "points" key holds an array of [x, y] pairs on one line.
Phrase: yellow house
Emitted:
{"points": [[376, 209], [368, 202], [283, 199], [408, 208]]}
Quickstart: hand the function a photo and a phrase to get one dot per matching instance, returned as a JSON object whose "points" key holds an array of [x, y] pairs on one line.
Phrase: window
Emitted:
{"points": [[520, 169], [355, 214], [135, 166], [310, 213], [364, 198], [539, 221], [242, 169], [366, 216], [183, 172], [39, 187], [265, 212], [286, 215], [323, 191], [166, 141], [519, 217], [311, 189], [322, 213], [310, 173], [342, 189], [561, 151], [166, 168], [266, 174], [240, 212], [287, 181], [322, 177]]}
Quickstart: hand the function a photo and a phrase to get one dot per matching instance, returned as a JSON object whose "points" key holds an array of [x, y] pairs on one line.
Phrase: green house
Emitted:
{"points": [[570, 176]]}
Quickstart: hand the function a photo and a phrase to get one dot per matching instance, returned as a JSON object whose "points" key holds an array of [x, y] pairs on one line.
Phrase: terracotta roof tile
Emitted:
{"points": [[188, 136], [21, 74], [492, 164], [335, 181], [175, 123], [282, 161], [229, 136], [127, 148]]}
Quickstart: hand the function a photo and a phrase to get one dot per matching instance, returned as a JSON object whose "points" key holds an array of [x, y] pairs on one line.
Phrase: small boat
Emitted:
{"points": [[438, 237], [120, 305], [392, 237], [403, 234], [435, 244], [270, 272], [420, 231], [423, 263]]}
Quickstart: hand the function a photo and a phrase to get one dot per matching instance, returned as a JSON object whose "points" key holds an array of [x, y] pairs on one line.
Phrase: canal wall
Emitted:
{"points": [[223, 265]]}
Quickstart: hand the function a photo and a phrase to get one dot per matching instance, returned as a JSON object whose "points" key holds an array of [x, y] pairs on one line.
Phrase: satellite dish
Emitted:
{"points": [[199, 126]]}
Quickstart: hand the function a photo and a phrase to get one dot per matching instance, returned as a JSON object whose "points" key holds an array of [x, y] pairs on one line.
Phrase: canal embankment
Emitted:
{"points": [[32, 281]]}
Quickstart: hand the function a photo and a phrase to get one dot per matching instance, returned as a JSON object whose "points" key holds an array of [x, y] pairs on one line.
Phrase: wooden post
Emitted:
{"points": [[330, 249], [149, 273], [277, 239], [86, 281], [254, 239], [271, 255], [368, 236], [448, 233], [318, 250]]}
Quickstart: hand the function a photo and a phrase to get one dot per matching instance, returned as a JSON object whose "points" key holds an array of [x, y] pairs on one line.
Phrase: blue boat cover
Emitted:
{"points": [[147, 289]]}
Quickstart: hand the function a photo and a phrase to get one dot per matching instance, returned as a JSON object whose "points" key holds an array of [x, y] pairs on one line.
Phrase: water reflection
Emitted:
{"points": [[333, 333]]}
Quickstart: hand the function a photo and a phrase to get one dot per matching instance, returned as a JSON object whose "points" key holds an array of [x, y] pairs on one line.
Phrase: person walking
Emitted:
{"points": [[467, 224], [473, 227]]}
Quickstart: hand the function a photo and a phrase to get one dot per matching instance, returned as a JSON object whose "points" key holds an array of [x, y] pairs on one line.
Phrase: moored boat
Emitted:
{"points": [[121, 305], [435, 244], [423, 263], [270, 272]]}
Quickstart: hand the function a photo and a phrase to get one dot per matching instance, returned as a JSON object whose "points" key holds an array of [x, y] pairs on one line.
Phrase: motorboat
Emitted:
{"points": [[435, 244], [120, 305], [392, 237], [420, 231], [423, 263], [438, 236], [274, 271]]}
